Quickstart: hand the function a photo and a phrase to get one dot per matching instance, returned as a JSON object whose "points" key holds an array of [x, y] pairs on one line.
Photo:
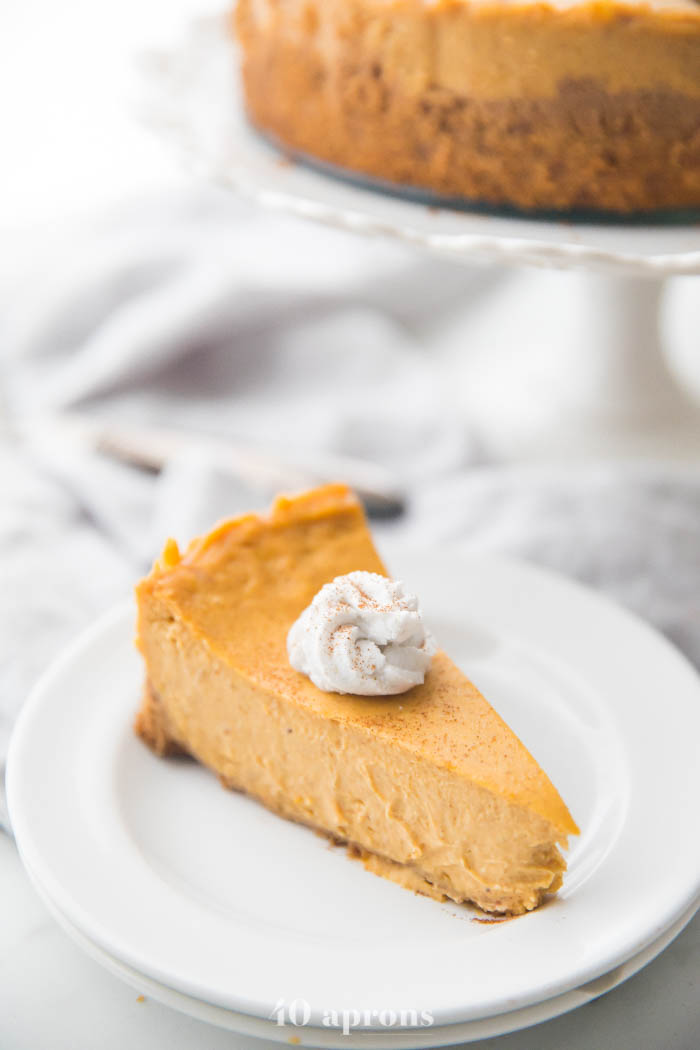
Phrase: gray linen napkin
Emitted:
{"points": [[201, 315]]}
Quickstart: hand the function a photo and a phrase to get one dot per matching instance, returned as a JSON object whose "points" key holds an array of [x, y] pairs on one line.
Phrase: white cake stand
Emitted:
{"points": [[606, 387]]}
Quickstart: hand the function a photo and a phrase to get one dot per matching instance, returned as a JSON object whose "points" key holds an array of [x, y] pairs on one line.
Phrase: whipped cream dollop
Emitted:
{"points": [[362, 634]]}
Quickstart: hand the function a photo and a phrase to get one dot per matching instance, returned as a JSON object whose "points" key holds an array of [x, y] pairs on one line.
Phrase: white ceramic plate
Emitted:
{"points": [[395, 1039], [191, 98], [206, 893]]}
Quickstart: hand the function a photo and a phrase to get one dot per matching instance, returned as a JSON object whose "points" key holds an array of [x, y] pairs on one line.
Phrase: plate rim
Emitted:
{"points": [[369, 1039], [124, 612]]}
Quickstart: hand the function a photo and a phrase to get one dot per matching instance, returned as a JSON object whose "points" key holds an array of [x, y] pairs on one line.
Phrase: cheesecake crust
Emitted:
{"points": [[591, 106], [153, 725]]}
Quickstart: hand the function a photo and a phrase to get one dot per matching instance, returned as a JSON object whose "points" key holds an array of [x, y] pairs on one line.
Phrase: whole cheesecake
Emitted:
{"points": [[569, 105]]}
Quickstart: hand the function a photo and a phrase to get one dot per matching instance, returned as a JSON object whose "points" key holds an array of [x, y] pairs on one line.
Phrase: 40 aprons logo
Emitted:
{"points": [[297, 1013]]}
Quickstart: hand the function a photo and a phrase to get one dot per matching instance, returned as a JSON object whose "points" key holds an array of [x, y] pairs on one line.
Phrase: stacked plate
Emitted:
{"points": [[207, 902]]}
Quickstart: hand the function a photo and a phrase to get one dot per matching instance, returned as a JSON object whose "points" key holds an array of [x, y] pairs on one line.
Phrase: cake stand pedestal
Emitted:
{"points": [[594, 381], [601, 384]]}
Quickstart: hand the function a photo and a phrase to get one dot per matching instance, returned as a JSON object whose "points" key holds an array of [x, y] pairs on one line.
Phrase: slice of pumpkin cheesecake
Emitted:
{"points": [[430, 787]]}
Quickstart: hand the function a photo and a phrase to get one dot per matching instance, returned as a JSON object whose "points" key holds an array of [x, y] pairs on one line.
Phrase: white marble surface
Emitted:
{"points": [[53, 996]]}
